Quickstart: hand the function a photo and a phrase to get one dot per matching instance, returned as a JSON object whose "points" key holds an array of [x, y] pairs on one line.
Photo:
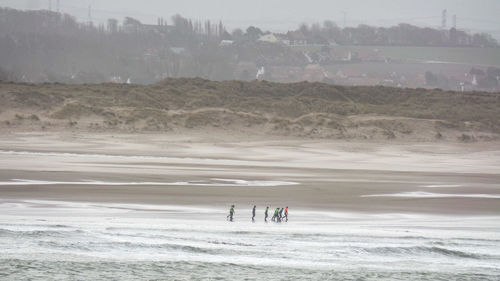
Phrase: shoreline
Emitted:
{"points": [[31, 209]]}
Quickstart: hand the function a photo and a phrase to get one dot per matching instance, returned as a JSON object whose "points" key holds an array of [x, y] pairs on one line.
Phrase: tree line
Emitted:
{"points": [[45, 46], [400, 35]]}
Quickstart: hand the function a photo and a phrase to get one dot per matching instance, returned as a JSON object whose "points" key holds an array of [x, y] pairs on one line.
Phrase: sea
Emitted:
{"points": [[57, 240]]}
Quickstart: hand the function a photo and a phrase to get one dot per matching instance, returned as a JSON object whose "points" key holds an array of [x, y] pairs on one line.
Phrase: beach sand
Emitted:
{"points": [[203, 170]]}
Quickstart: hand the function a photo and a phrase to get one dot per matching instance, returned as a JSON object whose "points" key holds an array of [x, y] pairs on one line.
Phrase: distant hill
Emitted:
{"points": [[311, 110], [44, 46]]}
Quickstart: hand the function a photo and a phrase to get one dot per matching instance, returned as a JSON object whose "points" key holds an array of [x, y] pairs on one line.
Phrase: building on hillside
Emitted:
{"points": [[115, 79], [269, 38], [332, 42], [178, 50], [283, 38], [226, 43]]}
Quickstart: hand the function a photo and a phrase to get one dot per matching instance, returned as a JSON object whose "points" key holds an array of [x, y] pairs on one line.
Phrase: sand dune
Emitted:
{"points": [[258, 108]]}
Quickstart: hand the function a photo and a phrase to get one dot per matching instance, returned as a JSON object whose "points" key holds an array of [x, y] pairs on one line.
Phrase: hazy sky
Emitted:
{"points": [[281, 15]]}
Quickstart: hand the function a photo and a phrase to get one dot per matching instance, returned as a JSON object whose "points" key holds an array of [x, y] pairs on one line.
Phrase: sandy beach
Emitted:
{"points": [[195, 170]]}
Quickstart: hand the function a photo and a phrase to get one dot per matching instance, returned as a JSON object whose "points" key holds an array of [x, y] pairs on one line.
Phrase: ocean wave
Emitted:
{"points": [[126, 246], [20, 269], [38, 233], [210, 182], [231, 244], [421, 250]]}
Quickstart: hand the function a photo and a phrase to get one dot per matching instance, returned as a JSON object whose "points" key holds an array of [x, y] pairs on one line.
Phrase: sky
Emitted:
{"points": [[283, 15]]}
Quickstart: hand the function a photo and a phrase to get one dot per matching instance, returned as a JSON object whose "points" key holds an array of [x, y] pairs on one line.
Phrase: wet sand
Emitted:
{"points": [[439, 178]]}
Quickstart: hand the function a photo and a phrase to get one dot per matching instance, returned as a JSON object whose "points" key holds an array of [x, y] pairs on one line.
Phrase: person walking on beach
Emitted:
{"points": [[253, 213], [275, 216], [281, 214], [231, 213], [286, 214], [266, 214]]}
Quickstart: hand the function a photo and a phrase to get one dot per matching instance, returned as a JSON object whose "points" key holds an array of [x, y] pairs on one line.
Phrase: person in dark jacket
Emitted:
{"points": [[253, 213], [275, 216], [231, 213]]}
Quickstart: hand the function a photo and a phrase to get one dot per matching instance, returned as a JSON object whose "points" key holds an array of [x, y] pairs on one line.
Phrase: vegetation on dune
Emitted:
{"points": [[301, 109]]}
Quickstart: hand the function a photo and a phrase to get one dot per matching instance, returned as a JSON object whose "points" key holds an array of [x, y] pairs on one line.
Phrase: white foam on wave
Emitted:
{"points": [[441, 185], [211, 182], [421, 194]]}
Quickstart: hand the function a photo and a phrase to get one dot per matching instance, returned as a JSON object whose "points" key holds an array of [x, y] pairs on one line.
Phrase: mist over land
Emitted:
{"points": [[45, 46]]}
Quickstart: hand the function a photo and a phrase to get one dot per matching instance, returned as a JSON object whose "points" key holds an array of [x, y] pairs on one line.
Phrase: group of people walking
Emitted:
{"points": [[280, 214]]}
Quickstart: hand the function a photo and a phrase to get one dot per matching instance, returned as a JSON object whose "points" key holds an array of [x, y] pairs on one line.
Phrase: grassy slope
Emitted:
{"points": [[291, 109], [472, 56]]}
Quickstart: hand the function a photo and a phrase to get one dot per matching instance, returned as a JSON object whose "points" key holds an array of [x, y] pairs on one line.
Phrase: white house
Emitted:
{"points": [[225, 43], [269, 38]]}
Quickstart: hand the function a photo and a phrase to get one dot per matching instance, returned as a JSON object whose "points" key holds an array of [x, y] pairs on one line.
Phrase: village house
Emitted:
{"points": [[178, 50], [226, 43], [269, 38]]}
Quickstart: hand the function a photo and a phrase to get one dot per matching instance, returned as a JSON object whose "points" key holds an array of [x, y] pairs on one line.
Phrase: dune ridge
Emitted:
{"points": [[309, 110]]}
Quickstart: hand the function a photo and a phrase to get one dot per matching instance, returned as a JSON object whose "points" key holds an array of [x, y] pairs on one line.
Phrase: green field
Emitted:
{"points": [[472, 56]]}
